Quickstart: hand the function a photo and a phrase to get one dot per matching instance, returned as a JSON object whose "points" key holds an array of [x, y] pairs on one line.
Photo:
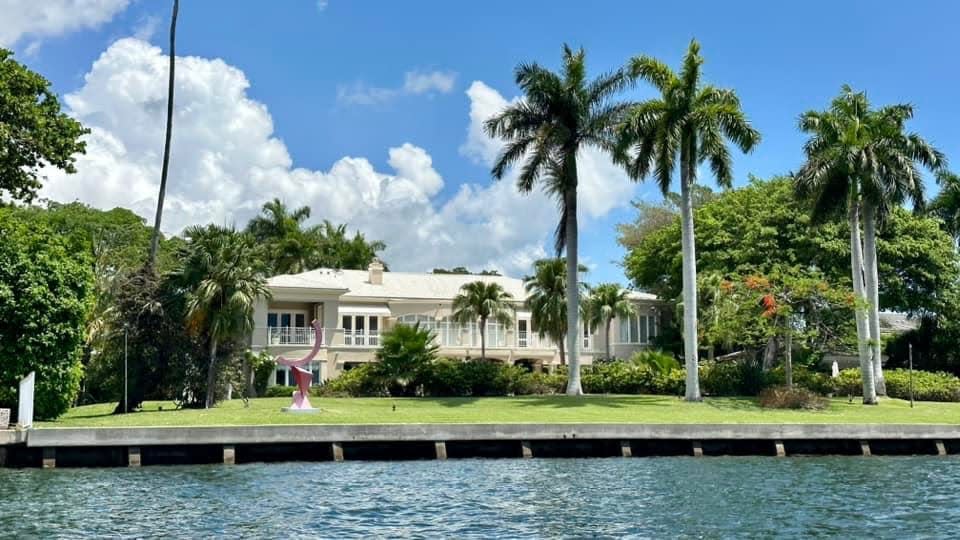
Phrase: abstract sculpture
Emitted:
{"points": [[301, 373]]}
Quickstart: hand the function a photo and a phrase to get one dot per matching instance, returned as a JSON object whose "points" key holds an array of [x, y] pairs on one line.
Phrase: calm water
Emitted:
{"points": [[642, 497]]}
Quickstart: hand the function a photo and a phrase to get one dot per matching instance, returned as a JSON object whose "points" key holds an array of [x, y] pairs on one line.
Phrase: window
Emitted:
{"points": [[522, 334], [355, 330], [638, 329], [288, 326], [281, 377]]}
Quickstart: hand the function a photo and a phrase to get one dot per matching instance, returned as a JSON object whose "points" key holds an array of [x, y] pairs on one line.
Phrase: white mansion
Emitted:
{"points": [[355, 306]]}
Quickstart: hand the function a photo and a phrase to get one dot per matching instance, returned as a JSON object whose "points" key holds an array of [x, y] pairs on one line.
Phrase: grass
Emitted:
{"points": [[529, 409]]}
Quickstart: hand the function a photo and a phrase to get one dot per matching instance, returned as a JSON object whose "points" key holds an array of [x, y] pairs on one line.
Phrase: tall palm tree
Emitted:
{"points": [[482, 301], [560, 114], [688, 124], [547, 300], [606, 301], [222, 280], [946, 205], [897, 178], [155, 242]]}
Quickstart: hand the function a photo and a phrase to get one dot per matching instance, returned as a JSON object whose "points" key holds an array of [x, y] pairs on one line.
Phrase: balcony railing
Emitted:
{"points": [[357, 338], [288, 335]]}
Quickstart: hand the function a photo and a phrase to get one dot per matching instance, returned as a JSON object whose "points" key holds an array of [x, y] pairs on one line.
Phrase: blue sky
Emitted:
{"points": [[328, 82]]}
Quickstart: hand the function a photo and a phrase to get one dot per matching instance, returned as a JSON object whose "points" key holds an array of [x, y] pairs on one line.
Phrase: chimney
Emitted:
{"points": [[376, 272]]}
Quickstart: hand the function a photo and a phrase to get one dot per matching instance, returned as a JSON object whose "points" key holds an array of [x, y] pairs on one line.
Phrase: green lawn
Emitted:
{"points": [[532, 409]]}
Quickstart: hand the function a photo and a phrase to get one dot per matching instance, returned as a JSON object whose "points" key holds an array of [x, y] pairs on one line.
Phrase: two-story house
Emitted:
{"points": [[356, 306]]}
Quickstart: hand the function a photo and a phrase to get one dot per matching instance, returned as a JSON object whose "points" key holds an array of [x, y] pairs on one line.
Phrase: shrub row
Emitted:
{"points": [[927, 385]]}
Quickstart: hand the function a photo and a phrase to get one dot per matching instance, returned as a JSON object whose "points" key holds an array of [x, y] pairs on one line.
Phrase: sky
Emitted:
{"points": [[371, 112]]}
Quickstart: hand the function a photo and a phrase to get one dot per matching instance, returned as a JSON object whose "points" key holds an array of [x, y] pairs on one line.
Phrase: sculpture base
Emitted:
{"points": [[294, 410]]}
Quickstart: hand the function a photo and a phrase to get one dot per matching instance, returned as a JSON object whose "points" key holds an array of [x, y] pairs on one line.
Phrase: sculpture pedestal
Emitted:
{"points": [[295, 410]]}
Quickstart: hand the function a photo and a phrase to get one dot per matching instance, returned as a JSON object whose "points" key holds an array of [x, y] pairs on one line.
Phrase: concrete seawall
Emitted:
{"points": [[134, 446]]}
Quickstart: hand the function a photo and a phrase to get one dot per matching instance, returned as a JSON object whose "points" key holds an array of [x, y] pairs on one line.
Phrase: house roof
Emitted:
{"points": [[407, 285], [897, 323]]}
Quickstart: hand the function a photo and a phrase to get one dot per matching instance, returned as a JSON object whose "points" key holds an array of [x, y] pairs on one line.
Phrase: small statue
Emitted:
{"points": [[302, 374]]}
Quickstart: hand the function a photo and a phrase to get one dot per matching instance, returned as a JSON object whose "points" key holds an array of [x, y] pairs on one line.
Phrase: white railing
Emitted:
{"points": [[357, 338], [288, 335]]}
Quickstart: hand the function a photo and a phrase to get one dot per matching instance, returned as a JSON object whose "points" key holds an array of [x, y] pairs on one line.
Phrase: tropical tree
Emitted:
{"points": [[405, 352], [559, 115], [168, 134], [34, 133], [604, 302], [291, 250], [946, 205], [688, 124], [896, 179], [337, 250], [547, 300], [482, 301], [224, 280]]}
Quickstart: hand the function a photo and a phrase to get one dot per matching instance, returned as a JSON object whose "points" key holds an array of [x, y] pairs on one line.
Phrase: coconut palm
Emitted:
{"points": [[946, 205], [155, 241], [482, 301], [604, 302], [291, 249], [222, 278], [688, 124], [547, 300], [897, 177], [560, 114]]}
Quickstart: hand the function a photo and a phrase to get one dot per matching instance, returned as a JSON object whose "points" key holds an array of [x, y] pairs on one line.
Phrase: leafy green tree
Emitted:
{"points": [[337, 250], [171, 77], [561, 114], [405, 352], [546, 300], [34, 133], [222, 279], [651, 217], [45, 297], [479, 302], [463, 270], [604, 302], [290, 249], [858, 159], [688, 124], [762, 226]]}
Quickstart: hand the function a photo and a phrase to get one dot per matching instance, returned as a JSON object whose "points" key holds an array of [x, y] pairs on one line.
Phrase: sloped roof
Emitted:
{"points": [[897, 322], [411, 285]]}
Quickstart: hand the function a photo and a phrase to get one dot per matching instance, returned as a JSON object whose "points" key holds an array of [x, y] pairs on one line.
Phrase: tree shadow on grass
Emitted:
{"points": [[607, 401]]}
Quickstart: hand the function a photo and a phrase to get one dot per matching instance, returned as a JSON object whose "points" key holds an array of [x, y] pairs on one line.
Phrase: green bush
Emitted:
{"points": [[731, 379], [927, 385], [658, 361], [405, 353], [363, 380], [620, 377], [279, 391], [781, 397], [821, 383]]}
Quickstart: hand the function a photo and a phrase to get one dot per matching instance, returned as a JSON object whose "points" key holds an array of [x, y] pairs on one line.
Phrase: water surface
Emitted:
{"points": [[849, 497]]}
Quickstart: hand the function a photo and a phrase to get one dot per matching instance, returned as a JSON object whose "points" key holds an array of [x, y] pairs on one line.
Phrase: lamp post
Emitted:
{"points": [[125, 399], [910, 361]]}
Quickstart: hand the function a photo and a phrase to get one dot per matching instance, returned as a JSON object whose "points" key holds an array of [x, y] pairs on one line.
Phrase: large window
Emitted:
{"points": [[361, 330], [288, 326], [638, 329]]}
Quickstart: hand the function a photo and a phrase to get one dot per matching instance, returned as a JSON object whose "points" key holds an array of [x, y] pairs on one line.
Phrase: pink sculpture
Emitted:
{"points": [[301, 373]]}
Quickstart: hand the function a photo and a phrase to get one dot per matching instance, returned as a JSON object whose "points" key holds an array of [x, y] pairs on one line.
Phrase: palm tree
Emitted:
{"points": [[155, 242], [606, 301], [560, 114], [897, 178], [547, 300], [689, 123], [292, 250], [848, 167], [483, 301], [946, 205], [222, 280]]}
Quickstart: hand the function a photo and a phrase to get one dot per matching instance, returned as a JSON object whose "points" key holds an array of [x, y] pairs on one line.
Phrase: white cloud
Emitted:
{"points": [[146, 28], [414, 83], [322, 5], [226, 162], [48, 18]]}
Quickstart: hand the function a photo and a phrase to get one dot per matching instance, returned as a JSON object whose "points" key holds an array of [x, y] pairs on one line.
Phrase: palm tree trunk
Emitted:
{"points": [[166, 145], [860, 314], [606, 335], [788, 359], [483, 338], [573, 290], [212, 374], [562, 350], [873, 292], [690, 348]]}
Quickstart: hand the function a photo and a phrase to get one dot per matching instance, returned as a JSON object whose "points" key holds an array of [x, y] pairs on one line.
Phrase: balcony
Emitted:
{"points": [[358, 338]]}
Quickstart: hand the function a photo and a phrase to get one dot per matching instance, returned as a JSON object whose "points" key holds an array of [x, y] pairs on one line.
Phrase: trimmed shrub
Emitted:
{"points": [[731, 379], [927, 385], [781, 397], [821, 383], [279, 391], [363, 380], [658, 361]]}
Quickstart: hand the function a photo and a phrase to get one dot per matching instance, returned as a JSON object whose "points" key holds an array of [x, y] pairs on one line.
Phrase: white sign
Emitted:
{"points": [[25, 412]]}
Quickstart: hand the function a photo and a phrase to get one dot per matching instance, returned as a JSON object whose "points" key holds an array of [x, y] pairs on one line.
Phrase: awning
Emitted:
{"points": [[364, 309]]}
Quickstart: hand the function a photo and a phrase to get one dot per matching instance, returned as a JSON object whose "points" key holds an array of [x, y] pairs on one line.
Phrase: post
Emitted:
{"points": [[865, 448], [526, 449], [626, 450], [697, 449], [49, 457], [337, 451], [781, 450], [941, 448], [133, 456], [441, 449], [229, 454], [910, 359], [125, 401]]}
